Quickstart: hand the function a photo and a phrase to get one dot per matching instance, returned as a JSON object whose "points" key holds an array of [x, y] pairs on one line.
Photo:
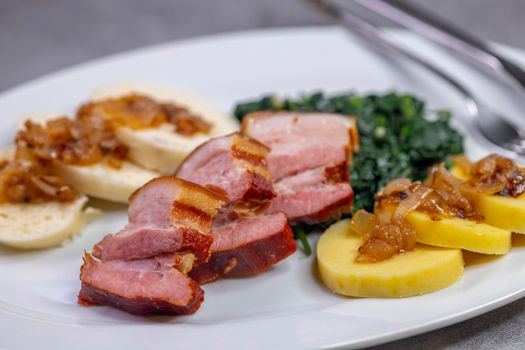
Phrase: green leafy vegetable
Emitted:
{"points": [[300, 234], [398, 136]]}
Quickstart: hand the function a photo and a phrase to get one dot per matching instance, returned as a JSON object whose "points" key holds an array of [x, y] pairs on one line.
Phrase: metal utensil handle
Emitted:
{"points": [[374, 35], [447, 34]]}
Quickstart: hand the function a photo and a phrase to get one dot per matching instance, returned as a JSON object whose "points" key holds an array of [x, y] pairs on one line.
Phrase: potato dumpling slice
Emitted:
{"points": [[425, 269], [459, 233], [504, 212]]}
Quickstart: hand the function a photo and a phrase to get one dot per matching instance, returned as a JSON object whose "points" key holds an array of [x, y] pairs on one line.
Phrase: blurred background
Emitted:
{"points": [[40, 36]]}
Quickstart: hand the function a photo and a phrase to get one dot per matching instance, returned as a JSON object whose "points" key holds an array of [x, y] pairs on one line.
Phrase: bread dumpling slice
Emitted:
{"points": [[41, 225], [103, 181], [161, 148], [99, 180]]}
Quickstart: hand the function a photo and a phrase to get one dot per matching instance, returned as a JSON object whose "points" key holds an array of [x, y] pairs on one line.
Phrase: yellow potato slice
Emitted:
{"points": [[459, 233], [504, 212], [424, 270]]}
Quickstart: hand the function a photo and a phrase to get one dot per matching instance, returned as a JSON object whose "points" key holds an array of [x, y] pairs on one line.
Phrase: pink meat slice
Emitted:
{"points": [[302, 141], [234, 163], [166, 215], [243, 244], [313, 196], [246, 246], [141, 287]]}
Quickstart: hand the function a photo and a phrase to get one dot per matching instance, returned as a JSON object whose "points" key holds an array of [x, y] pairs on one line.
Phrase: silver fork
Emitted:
{"points": [[447, 34], [507, 137]]}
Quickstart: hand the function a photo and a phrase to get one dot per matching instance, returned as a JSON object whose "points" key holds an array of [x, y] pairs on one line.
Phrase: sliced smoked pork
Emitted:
{"points": [[234, 163], [143, 268], [142, 287], [308, 162], [302, 141], [246, 246], [313, 196], [166, 215]]}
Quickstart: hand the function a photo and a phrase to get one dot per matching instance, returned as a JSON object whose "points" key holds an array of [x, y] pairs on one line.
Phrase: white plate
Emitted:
{"points": [[287, 307]]}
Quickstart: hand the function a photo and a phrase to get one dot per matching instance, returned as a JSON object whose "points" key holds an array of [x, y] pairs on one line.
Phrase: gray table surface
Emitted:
{"points": [[39, 36]]}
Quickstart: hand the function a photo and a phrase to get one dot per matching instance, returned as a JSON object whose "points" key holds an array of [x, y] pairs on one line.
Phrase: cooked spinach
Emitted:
{"points": [[399, 137]]}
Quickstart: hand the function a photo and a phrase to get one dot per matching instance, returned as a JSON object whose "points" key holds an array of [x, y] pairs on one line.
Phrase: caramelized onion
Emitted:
{"points": [[140, 112], [411, 202], [462, 162], [381, 240], [363, 223], [490, 187], [23, 181], [448, 177], [451, 198], [390, 233], [396, 186], [383, 211], [78, 142], [488, 166], [409, 237], [3, 164], [495, 174], [374, 250], [437, 197], [43, 186]]}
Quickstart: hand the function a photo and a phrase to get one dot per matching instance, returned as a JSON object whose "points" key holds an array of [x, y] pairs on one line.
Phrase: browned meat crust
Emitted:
{"points": [[247, 260]]}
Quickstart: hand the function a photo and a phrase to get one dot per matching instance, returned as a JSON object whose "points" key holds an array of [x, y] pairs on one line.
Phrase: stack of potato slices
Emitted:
{"points": [[493, 211]]}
